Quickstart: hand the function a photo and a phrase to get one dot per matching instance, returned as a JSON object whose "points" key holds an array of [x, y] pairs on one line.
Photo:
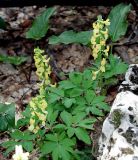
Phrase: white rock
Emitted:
{"points": [[119, 138]]}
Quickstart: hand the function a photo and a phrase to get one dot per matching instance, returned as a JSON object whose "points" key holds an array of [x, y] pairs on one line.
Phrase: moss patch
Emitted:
{"points": [[116, 117]]}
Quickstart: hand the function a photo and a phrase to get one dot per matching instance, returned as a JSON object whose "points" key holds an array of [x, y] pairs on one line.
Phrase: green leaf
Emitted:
{"points": [[79, 108], [98, 99], [10, 146], [83, 135], [78, 117], [27, 145], [52, 137], [53, 97], [90, 95], [118, 24], [68, 102], [3, 123], [104, 106], [26, 135], [87, 123], [69, 37], [61, 147], [80, 100], [95, 111], [66, 84], [75, 77], [61, 136], [75, 92], [86, 84], [16, 60], [66, 117], [115, 67], [2, 24], [68, 143], [48, 147], [52, 114], [55, 153], [40, 25], [8, 150], [7, 116], [57, 91], [63, 153], [9, 143], [70, 131], [122, 68], [59, 126]]}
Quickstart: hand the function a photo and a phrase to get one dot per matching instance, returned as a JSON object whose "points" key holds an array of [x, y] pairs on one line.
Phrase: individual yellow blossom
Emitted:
{"points": [[102, 68], [103, 62], [102, 43], [43, 123], [94, 75], [95, 55], [107, 22], [32, 104], [105, 34], [32, 113], [31, 127], [106, 50], [43, 105], [41, 116], [32, 121], [36, 129]]}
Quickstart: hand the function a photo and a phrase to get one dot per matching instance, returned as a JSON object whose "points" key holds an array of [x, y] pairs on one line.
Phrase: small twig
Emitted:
{"points": [[30, 70], [125, 43]]}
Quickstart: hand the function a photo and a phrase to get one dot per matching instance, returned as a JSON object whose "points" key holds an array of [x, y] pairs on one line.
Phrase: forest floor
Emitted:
{"points": [[19, 83]]}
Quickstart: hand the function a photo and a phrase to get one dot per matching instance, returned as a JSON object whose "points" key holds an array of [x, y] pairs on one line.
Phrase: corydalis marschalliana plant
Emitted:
{"points": [[38, 104], [98, 43]]}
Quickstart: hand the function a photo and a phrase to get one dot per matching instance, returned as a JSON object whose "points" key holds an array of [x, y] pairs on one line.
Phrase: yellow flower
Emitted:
{"points": [[94, 75], [43, 123], [106, 50], [36, 129], [32, 121], [41, 116], [95, 55], [107, 22], [32, 104], [103, 62], [102, 42], [43, 104], [102, 68], [31, 127], [32, 113]]}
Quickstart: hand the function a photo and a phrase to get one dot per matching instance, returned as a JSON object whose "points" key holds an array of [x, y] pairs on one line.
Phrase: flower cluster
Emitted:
{"points": [[98, 43], [38, 107], [43, 68], [19, 155], [38, 104]]}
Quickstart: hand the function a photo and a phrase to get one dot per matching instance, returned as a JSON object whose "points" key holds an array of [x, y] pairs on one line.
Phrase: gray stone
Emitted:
{"points": [[120, 128]]}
